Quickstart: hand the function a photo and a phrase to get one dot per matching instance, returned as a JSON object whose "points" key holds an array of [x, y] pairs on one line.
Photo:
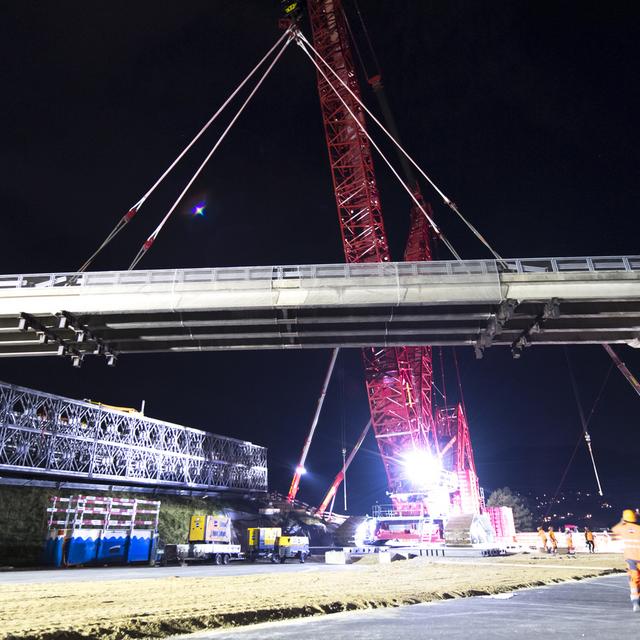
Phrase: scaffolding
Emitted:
{"points": [[48, 436]]}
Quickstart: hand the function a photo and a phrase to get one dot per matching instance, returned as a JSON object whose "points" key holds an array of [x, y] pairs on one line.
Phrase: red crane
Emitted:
{"points": [[395, 411], [398, 380]]}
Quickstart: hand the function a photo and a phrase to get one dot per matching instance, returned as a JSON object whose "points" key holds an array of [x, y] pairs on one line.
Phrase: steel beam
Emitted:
{"points": [[48, 436], [537, 301]]}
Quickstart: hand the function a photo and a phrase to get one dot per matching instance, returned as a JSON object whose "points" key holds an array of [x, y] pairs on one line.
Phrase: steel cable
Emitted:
{"points": [[134, 209], [151, 239], [377, 148], [445, 199]]}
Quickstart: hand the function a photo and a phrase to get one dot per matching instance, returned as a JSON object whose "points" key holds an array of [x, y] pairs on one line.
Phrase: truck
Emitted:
{"points": [[269, 543]]}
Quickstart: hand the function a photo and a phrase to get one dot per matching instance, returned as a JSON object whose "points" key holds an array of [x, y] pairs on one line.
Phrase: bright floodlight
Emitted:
{"points": [[300, 470], [421, 468]]}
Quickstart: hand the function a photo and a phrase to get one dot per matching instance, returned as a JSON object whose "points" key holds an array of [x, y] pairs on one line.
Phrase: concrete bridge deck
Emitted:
{"points": [[480, 303]]}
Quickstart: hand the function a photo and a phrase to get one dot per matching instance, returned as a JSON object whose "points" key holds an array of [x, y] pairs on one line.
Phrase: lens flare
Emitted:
{"points": [[421, 468], [198, 210]]}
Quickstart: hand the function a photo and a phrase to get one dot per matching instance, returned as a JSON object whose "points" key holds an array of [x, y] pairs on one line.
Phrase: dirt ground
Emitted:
{"points": [[161, 607]]}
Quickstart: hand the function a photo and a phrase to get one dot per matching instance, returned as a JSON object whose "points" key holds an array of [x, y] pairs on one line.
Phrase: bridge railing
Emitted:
{"points": [[439, 268], [564, 265]]}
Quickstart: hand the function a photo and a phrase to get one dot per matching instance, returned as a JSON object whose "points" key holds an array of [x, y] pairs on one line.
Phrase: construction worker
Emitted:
{"points": [[571, 550], [543, 539], [588, 536], [553, 543], [629, 532]]}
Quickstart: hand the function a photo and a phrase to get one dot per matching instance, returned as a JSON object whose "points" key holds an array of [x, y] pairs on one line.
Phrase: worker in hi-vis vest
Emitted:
{"points": [[588, 536], [543, 539], [629, 532]]}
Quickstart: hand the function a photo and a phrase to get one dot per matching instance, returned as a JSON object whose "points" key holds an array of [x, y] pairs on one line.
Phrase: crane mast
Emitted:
{"points": [[354, 182], [393, 400], [418, 249], [398, 380]]}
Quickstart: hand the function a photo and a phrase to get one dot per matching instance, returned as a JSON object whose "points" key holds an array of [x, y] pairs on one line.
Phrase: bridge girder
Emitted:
{"points": [[540, 301]]}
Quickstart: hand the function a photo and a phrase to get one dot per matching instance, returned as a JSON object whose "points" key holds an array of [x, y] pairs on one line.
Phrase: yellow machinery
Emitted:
{"points": [[209, 539], [292, 547], [210, 529], [268, 542], [102, 405]]}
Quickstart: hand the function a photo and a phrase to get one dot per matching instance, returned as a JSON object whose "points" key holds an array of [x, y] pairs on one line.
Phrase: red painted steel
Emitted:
{"points": [[394, 406], [418, 249], [457, 455], [354, 181], [399, 381]]}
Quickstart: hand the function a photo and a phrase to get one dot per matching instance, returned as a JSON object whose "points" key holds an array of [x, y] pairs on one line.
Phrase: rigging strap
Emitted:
{"points": [[303, 40], [151, 239], [134, 209]]}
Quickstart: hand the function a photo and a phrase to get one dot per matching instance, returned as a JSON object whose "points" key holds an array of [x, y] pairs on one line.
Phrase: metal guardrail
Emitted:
{"points": [[323, 271], [566, 265]]}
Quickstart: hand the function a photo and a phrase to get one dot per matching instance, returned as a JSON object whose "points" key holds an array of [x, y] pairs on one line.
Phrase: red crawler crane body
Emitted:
{"points": [[398, 380]]}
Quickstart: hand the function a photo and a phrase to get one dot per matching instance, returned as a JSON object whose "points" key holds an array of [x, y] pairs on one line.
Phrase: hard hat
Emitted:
{"points": [[629, 515]]}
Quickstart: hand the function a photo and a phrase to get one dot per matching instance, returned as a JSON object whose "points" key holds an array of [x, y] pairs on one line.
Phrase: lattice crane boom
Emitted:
{"points": [[394, 405], [398, 380]]}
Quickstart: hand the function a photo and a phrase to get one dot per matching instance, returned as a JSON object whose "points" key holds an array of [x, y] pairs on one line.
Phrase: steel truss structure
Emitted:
{"points": [[399, 379], [395, 413], [44, 435]]}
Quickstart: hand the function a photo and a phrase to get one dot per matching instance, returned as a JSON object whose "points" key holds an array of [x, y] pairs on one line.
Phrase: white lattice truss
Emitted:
{"points": [[51, 436]]}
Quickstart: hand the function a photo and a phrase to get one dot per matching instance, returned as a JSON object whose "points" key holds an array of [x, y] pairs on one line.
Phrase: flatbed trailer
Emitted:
{"points": [[214, 552]]}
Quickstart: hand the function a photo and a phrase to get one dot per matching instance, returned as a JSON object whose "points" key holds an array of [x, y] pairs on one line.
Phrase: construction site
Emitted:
{"points": [[124, 517]]}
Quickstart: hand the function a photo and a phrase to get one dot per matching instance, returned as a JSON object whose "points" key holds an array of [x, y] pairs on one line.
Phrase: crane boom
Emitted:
{"points": [[394, 404], [340, 475], [354, 181], [295, 482], [398, 380]]}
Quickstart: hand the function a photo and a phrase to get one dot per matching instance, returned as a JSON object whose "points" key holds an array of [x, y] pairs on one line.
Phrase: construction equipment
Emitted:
{"points": [[48, 436], [292, 547], [209, 539], [411, 436], [102, 405], [468, 529], [622, 367], [300, 469], [329, 497], [269, 543]]}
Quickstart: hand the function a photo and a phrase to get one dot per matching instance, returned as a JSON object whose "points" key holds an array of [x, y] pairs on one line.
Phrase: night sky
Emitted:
{"points": [[525, 113]]}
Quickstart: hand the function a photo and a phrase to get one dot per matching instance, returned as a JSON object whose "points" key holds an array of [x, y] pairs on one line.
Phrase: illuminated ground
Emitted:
{"points": [[589, 609], [146, 573], [115, 609]]}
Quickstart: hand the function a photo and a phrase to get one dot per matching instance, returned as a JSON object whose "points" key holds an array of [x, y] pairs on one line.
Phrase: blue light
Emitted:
{"points": [[198, 210]]}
